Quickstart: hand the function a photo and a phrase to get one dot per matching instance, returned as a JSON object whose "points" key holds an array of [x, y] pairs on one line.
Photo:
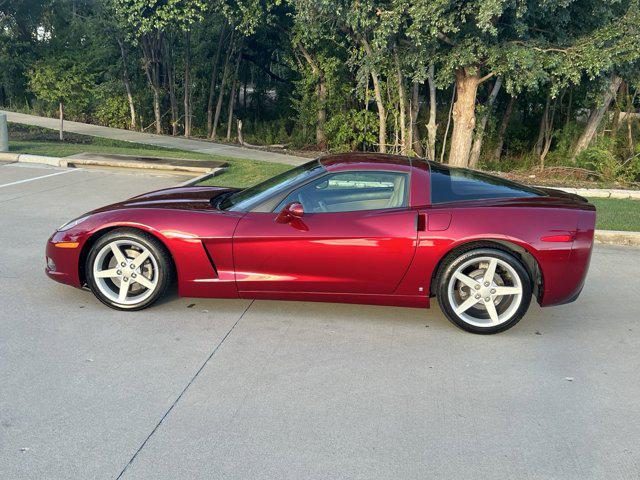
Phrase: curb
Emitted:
{"points": [[137, 165], [602, 192], [616, 237], [66, 161], [200, 178]]}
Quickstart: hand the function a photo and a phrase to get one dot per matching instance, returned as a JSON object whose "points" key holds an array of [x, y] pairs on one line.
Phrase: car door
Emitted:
{"points": [[356, 235]]}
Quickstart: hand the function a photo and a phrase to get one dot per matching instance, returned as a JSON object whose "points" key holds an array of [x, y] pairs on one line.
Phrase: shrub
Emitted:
{"points": [[112, 111], [352, 130], [601, 160]]}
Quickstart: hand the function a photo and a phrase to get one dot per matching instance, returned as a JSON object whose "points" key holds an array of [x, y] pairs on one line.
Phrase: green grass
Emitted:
{"points": [[42, 141], [617, 214]]}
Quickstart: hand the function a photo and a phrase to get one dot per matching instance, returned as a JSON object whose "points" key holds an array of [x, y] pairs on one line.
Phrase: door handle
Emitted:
{"points": [[421, 222]]}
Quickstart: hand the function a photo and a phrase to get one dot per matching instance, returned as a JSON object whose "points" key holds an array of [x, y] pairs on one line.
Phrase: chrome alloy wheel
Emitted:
{"points": [[485, 291], [126, 272]]}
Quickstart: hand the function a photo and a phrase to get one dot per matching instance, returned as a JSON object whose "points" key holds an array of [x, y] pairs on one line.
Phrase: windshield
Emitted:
{"points": [[252, 196]]}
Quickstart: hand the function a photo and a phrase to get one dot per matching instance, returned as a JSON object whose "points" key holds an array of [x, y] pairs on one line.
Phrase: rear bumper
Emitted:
{"points": [[62, 263], [565, 279], [573, 298]]}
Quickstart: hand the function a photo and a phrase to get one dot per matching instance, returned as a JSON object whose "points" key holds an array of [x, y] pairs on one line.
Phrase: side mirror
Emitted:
{"points": [[296, 209], [290, 212]]}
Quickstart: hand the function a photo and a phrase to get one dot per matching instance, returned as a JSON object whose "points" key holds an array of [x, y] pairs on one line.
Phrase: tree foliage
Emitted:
{"points": [[528, 76]]}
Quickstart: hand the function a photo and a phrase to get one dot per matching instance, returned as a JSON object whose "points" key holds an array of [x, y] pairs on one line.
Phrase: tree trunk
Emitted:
{"points": [[171, 84], [321, 92], [244, 96], [415, 143], [432, 126], [497, 153], [127, 85], [548, 130], [223, 84], [152, 50], [568, 118], [157, 111], [321, 137], [464, 118], [240, 139], [382, 113], [543, 126], [61, 121], [596, 117], [477, 142], [617, 113], [187, 91], [446, 130], [232, 98], [214, 79], [172, 97], [629, 120], [404, 146]]}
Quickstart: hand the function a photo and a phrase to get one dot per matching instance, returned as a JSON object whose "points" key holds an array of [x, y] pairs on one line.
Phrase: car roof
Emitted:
{"points": [[352, 159]]}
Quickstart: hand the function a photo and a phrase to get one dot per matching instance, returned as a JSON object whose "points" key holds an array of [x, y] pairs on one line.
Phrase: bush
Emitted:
{"points": [[112, 111], [265, 133], [600, 160], [352, 130]]}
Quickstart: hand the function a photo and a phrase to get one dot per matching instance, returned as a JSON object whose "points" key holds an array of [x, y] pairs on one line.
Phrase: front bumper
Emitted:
{"points": [[62, 263]]}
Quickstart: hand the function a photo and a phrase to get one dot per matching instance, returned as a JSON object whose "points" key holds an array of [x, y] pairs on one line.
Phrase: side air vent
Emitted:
{"points": [[215, 269]]}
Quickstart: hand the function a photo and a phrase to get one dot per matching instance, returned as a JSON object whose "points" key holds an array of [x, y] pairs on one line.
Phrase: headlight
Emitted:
{"points": [[72, 223]]}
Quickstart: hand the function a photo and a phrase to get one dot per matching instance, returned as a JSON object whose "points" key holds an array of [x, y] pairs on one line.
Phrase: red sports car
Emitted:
{"points": [[358, 228]]}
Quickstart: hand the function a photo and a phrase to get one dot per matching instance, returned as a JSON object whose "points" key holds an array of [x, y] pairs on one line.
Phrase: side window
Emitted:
{"points": [[457, 184], [352, 191]]}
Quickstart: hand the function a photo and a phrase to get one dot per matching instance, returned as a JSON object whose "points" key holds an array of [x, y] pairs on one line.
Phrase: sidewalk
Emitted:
{"points": [[187, 144]]}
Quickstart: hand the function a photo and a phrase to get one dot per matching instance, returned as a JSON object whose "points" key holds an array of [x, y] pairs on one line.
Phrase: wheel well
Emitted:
{"points": [[99, 234], [526, 258]]}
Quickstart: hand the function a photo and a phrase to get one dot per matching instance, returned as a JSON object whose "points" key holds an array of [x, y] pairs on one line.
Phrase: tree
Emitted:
{"points": [[476, 41], [60, 81], [316, 36], [526, 43], [149, 22], [479, 136], [341, 74]]}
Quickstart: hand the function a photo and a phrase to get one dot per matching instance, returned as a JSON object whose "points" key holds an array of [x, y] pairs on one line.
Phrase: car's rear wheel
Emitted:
{"points": [[128, 270], [483, 290]]}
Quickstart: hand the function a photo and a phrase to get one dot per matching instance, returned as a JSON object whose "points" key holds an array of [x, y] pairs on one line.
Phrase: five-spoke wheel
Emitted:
{"points": [[483, 290], [128, 269]]}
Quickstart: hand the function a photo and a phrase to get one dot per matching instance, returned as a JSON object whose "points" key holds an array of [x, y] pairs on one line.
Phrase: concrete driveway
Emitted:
{"points": [[223, 389]]}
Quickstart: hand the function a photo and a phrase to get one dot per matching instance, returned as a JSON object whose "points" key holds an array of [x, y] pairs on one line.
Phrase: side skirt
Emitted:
{"points": [[416, 301]]}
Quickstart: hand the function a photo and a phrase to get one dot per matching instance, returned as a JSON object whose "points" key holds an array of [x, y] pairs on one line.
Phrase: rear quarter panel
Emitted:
{"points": [[563, 265]]}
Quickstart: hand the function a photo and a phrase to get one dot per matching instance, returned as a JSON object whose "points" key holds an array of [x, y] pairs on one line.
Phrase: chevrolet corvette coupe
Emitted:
{"points": [[358, 228]]}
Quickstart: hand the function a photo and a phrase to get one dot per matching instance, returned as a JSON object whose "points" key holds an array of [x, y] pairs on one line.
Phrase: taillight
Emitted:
{"points": [[558, 238]]}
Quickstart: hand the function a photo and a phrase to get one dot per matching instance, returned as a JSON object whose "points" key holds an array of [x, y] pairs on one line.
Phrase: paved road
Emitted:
{"points": [[181, 143], [224, 389]]}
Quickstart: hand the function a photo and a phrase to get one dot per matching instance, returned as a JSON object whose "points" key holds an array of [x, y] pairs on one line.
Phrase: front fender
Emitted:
{"points": [[183, 232]]}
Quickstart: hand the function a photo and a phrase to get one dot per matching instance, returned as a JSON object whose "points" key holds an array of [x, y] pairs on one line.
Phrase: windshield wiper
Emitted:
{"points": [[216, 201]]}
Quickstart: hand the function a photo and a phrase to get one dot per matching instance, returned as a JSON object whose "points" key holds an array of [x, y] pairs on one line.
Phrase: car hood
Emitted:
{"points": [[180, 198]]}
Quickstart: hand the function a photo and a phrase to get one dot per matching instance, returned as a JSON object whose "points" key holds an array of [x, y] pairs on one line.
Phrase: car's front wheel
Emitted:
{"points": [[483, 290], [128, 270]]}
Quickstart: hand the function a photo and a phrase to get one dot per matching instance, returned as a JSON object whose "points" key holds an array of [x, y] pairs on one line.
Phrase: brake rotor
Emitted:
{"points": [[145, 270], [478, 275]]}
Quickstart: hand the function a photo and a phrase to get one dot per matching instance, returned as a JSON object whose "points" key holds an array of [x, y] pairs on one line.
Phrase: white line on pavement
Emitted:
{"points": [[37, 178]]}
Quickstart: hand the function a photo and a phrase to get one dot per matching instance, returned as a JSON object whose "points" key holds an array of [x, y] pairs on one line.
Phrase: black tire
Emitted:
{"points": [[455, 260], [163, 276]]}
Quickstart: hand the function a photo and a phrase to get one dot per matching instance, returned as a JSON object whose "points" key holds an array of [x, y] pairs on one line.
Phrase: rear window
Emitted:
{"points": [[458, 184]]}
